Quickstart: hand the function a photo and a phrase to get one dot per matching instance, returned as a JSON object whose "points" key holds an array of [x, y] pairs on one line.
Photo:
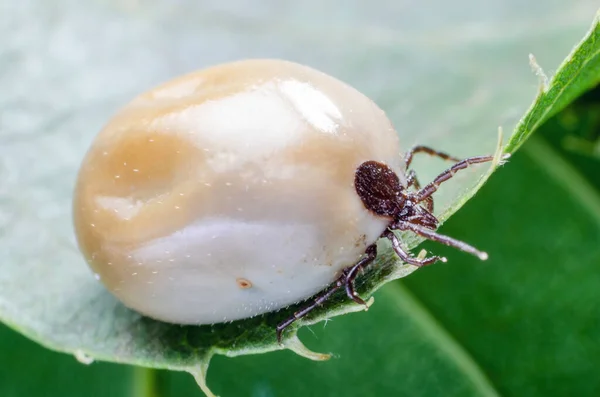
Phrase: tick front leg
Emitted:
{"points": [[406, 257], [432, 187], [440, 238], [411, 180]]}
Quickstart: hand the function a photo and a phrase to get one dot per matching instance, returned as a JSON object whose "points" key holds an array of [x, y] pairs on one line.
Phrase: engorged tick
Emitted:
{"points": [[244, 188]]}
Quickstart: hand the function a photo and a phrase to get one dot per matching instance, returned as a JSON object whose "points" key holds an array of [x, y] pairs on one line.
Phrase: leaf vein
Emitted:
{"points": [[444, 340]]}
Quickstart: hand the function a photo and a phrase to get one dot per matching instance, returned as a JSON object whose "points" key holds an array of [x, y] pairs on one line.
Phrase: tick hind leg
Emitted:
{"points": [[425, 149], [346, 279], [370, 255], [319, 300]]}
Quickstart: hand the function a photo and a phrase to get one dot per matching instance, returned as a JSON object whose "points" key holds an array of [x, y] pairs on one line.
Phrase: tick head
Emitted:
{"points": [[381, 192]]}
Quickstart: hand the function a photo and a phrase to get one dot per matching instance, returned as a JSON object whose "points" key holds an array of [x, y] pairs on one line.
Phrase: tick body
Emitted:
{"points": [[244, 188], [229, 192]]}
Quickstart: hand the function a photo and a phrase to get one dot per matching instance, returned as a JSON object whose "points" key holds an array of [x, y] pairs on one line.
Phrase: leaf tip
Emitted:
{"points": [[537, 69], [500, 157], [294, 344]]}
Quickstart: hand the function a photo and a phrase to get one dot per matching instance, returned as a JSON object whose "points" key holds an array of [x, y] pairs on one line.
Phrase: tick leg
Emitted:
{"points": [[411, 180], [428, 190], [425, 149], [406, 257], [431, 235], [346, 279], [370, 254], [319, 300]]}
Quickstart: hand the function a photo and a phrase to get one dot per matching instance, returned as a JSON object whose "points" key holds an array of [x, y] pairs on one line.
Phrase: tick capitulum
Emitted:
{"points": [[409, 208]]}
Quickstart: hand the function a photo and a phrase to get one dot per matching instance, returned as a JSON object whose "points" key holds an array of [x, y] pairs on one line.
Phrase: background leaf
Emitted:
{"points": [[391, 52]]}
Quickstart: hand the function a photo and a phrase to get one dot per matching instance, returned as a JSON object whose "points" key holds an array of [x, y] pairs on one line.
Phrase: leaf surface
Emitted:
{"points": [[446, 83]]}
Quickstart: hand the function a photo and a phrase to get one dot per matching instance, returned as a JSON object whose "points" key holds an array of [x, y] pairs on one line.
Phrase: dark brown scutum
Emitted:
{"points": [[381, 192], [378, 187]]}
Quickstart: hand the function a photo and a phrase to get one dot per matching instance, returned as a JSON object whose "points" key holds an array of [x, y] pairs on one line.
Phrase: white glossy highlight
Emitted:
{"points": [[316, 108], [229, 192]]}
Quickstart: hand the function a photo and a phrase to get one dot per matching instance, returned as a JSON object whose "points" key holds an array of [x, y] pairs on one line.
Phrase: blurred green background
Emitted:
{"points": [[524, 323]]}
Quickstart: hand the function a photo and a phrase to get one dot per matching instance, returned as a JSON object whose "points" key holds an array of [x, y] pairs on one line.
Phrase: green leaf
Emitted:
{"points": [[524, 323], [577, 74], [451, 96], [529, 315], [28, 370]]}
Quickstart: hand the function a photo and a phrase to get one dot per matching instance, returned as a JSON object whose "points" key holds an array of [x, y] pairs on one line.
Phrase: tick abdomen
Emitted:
{"points": [[242, 171]]}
